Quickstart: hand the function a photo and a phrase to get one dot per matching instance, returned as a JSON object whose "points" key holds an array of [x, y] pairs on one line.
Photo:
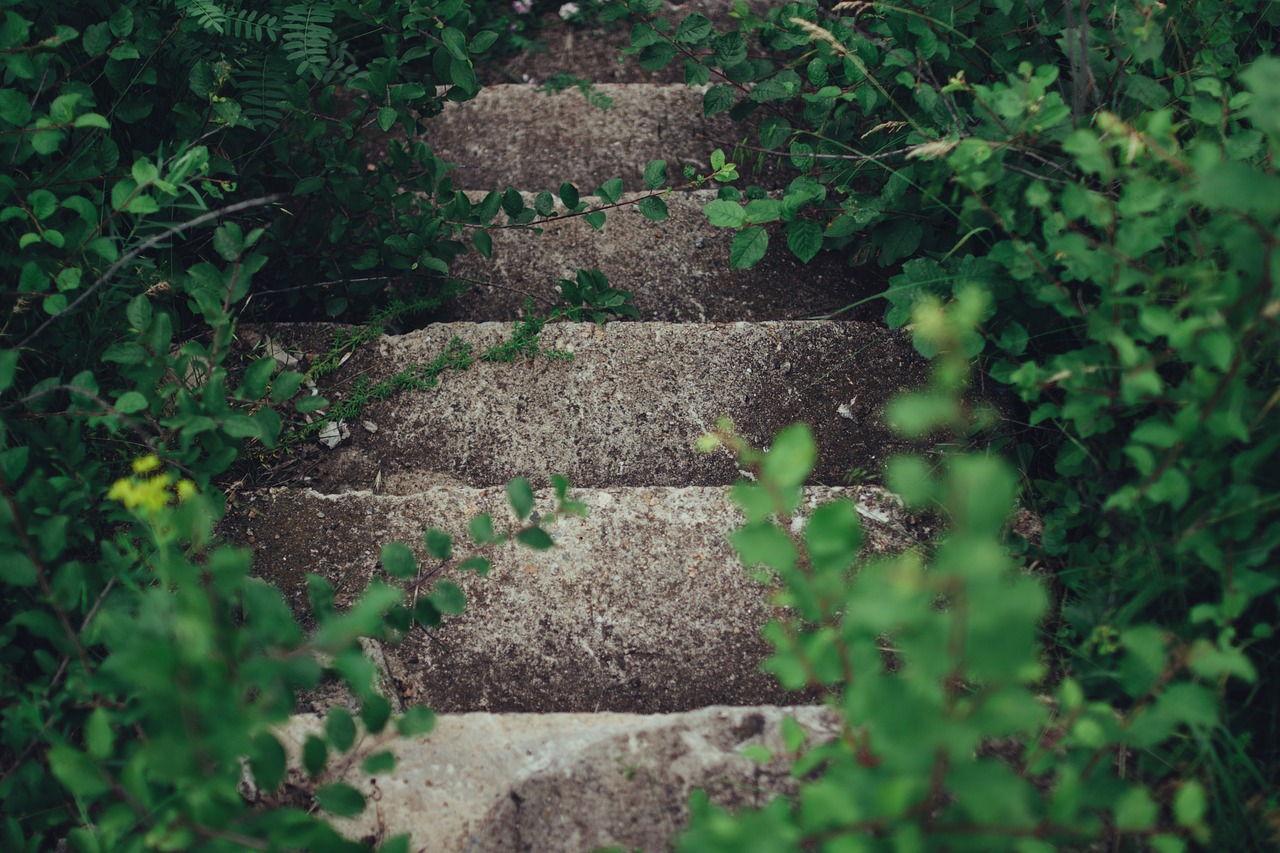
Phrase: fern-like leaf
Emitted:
{"points": [[308, 36], [257, 26]]}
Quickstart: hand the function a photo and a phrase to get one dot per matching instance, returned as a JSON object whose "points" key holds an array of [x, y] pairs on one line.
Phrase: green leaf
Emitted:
{"points": [[268, 762], [791, 458], [286, 385], [569, 195], [8, 368], [483, 41], [339, 798], [716, 100], [544, 203], [315, 754], [653, 208], [77, 772], [130, 402], [595, 220], [833, 536], [479, 565], [416, 721], [610, 191], [480, 529], [764, 544], [804, 239], [520, 494], [398, 560], [439, 543], [378, 763], [693, 28], [1190, 804], [374, 713], [1135, 810], [99, 739], [387, 118], [748, 247], [655, 174], [310, 404], [454, 42], [448, 598], [536, 538], [483, 243], [340, 728], [309, 185], [725, 214]]}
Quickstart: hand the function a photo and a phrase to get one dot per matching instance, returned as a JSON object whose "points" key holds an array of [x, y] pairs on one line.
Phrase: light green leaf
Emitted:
{"points": [[439, 544], [536, 538], [520, 494], [339, 798], [791, 458], [653, 208], [398, 560]]}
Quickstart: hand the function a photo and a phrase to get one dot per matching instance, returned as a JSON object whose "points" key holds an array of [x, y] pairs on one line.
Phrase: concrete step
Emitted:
{"points": [[564, 783], [640, 607], [678, 269], [626, 409], [516, 135]]}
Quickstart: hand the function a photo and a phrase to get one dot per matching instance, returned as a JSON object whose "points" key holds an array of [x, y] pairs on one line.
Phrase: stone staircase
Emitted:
{"points": [[588, 689]]}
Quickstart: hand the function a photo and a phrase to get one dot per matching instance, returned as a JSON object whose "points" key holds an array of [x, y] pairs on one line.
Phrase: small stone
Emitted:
{"points": [[331, 436], [845, 410], [369, 426]]}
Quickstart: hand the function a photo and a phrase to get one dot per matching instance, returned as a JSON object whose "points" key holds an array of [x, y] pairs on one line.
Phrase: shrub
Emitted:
{"points": [[1105, 175]]}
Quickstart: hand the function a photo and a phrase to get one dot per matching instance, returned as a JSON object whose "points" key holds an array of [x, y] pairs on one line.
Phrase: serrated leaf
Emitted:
{"points": [[716, 100], [655, 174], [398, 560], [653, 208], [748, 247], [804, 239], [610, 191], [725, 214], [544, 203]]}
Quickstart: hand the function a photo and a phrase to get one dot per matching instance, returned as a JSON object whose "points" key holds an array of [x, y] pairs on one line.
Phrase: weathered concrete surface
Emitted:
{"points": [[640, 607], [678, 269], [627, 408], [565, 783], [516, 135]]}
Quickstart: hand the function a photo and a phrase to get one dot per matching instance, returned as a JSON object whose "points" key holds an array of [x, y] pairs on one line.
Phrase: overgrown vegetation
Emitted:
{"points": [[172, 166], [1080, 197], [1104, 175]]}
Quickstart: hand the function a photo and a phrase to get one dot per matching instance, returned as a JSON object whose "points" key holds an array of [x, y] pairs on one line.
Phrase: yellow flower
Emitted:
{"points": [[146, 463]]}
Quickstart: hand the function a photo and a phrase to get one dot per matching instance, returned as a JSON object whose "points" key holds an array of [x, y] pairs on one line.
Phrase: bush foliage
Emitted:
{"points": [[1104, 176], [1080, 198]]}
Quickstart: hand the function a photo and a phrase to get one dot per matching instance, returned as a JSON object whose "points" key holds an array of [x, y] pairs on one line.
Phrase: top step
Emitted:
{"points": [[517, 135], [592, 52]]}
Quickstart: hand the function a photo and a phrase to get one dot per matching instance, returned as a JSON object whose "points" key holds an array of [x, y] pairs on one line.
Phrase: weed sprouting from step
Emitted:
{"points": [[561, 81], [587, 297]]}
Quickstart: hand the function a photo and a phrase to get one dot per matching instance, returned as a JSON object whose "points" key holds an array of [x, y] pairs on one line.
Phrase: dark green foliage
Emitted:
{"points": [[1105, 175]]}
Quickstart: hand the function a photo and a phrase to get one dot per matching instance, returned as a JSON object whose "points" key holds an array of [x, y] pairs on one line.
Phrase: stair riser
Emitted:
{"points": [[677, 269]]}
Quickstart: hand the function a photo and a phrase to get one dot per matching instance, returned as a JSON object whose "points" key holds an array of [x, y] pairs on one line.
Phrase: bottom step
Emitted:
{"points": [[566, 782]]}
